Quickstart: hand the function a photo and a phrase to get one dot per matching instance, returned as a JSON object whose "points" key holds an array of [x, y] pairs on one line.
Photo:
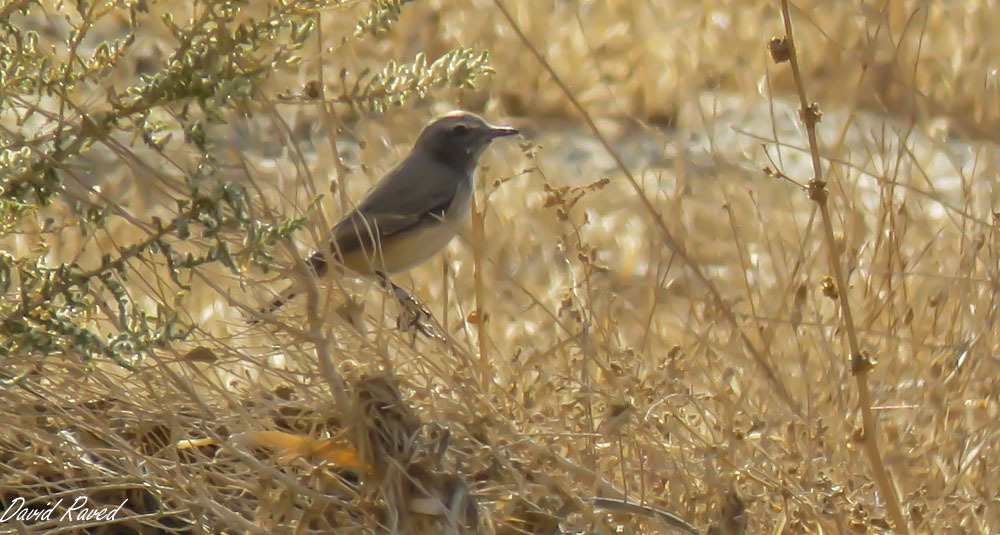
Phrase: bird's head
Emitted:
{"points": [[459, 138]]}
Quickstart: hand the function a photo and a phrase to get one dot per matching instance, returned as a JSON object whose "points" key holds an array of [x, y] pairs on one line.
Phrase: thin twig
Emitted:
{"points": [[327, 368], [624, 506], [861, 364]]}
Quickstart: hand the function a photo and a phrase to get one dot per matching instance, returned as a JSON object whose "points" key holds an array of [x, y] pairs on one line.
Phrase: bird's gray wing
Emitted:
{"points": [[420, 183], [416, 192]]}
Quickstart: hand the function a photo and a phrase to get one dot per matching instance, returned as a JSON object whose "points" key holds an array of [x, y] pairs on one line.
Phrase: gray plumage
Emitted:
{"points": [[416, 208]]}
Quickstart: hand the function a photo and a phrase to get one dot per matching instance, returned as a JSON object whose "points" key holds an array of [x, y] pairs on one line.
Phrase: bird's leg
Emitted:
{"points": [[414, 312]]}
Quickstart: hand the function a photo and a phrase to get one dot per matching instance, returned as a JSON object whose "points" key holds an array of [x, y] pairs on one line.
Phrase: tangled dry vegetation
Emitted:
{"points": [[642, 308]]}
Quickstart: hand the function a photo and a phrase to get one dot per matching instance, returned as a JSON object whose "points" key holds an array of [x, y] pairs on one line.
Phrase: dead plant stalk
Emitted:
{"points": [[478, 218], [860, 363], [321, 337]]}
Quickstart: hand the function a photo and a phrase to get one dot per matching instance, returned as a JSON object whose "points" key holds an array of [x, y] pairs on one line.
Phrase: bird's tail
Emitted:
{"points": [[285, 296], [290, 293]]}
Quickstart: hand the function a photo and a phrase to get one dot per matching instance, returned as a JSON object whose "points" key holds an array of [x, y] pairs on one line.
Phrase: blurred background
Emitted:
{"points": [[642, 306]]}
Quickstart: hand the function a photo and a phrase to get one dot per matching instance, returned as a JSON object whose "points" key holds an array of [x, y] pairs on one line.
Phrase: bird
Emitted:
{"points": [[415, 209]]}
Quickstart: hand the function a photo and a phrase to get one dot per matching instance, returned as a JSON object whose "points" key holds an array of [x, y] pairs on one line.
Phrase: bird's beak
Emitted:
{"points": [[502, 131]]}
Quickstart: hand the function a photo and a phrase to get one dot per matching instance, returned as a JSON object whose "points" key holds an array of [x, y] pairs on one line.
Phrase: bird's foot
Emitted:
{"points": [[415, 317]]}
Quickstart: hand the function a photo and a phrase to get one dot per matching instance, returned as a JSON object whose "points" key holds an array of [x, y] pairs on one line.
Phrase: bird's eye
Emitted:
{"points": [[460, 130]]}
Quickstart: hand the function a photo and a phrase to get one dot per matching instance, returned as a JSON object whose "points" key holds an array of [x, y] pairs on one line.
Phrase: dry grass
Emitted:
{"points": [[590, 313]]}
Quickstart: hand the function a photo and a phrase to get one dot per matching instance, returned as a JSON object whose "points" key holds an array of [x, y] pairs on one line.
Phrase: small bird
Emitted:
{"points": [[416, 208]]}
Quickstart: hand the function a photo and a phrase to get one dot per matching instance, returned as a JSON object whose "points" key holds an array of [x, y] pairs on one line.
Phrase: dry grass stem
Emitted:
{"points": [[860, 361]]}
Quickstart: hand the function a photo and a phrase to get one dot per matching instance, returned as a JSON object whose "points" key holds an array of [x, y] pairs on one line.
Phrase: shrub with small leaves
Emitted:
{"points": [[142, 107]]}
